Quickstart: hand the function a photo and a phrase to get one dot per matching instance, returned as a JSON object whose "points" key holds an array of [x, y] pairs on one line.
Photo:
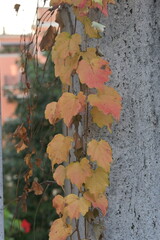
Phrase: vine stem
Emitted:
{"points": [[77, 227]]}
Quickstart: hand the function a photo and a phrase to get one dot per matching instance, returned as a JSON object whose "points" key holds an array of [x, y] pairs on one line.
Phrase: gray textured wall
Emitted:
{"points": [[132, 44]]}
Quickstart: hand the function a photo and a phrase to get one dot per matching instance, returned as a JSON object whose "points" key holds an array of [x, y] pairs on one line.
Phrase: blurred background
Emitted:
{"points": [[28, 84]]}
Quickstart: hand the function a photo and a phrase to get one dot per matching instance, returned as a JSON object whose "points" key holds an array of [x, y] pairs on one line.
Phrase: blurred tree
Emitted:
{"points": [[31, 100]]}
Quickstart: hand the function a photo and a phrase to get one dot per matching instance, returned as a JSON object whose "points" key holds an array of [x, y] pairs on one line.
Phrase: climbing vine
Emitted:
{"points": [[85, 165]]}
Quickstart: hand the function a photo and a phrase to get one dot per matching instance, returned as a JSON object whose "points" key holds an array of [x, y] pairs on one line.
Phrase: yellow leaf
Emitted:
{"points": [[70, 105], [101, 119], [74, 206], [56, 3], [51, 113], [101, 153], [65, 68], [89, 54], [59, 230], [67, 45], [60, 175], [58, 148], [89, 30], [58, 203], [78, 172], [98, 182]]}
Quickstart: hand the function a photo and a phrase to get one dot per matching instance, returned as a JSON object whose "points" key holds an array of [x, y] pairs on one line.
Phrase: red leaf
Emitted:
{"points": [[108, 101], [94, 72]]}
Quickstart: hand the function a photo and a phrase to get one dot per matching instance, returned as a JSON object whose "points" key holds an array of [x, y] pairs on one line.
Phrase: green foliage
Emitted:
{"points": [[30, 113]]}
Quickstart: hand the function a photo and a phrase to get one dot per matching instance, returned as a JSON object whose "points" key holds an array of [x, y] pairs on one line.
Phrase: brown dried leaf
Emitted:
{"points": [[16, 7], [37, 188], [27, 160], [48, 39], [20, 146]]}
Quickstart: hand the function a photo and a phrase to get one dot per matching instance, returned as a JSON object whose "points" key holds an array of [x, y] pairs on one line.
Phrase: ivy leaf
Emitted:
{"points": [[78, 172], [16, 7], [51, 113], [97, 1], [58, 203], [101, 5], [97, 202], [94, 72], [66, 45], [101, 119], [74, 206], [98, 182], [48, 39], [58, 148], [27, 160], [89, 54], [101, 153], [71, 206], [64, 68], [20, 146], [90, 30], [59, 230], [60, 175], [70, 105], [37, 188], [108, 101], [58, 2]]}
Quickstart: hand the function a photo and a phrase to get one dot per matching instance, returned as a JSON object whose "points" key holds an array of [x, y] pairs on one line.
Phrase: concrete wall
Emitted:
{"points": [[132, 45]]}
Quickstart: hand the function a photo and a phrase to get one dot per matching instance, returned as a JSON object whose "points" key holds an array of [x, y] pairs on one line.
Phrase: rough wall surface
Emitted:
{"points": [[132, 45]]}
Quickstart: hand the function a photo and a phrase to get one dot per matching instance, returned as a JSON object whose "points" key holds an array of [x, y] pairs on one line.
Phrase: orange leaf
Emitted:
{"points": [[58, 203], [51, 113], [66, 45], [78, 172], [108, 101], [74, 206], [58, 148], [94, 72], [71, 206], [100, 202], [101, 119], [59, 230], [60, 175], [37, 188], [98, 182], [70, 105], [100, 152]]}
